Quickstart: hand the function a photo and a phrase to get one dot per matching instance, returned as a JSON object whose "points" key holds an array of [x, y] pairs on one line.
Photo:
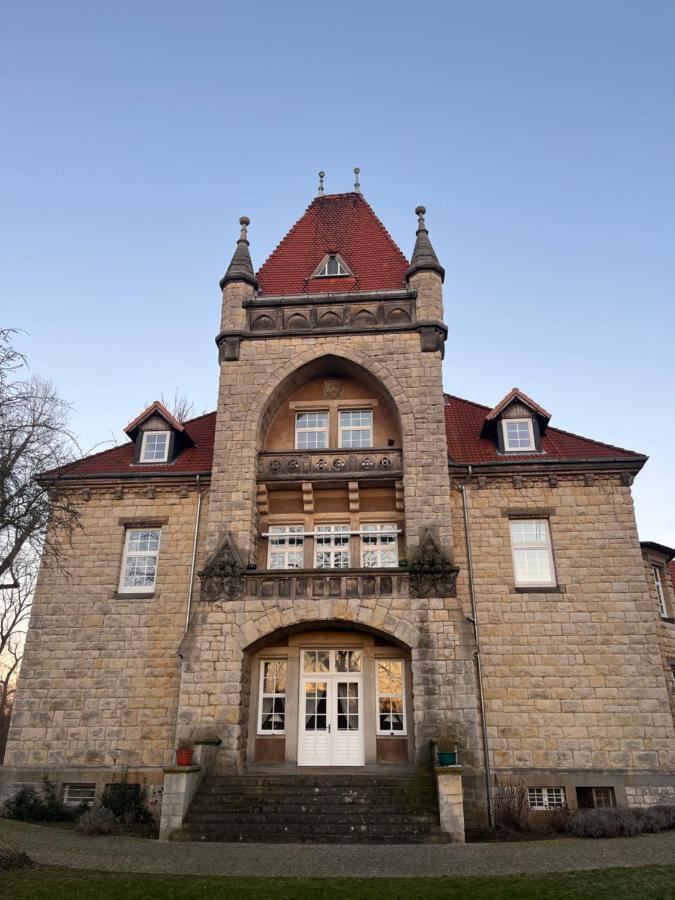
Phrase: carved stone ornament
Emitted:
{"points": [[333, 388], [223, 575], [431, 572]]}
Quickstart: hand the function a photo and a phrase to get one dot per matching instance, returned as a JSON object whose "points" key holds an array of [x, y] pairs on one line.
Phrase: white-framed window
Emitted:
{"points": [[76, 794], [272, 705], [532, 553], [379, 545], [658, 582], [155, 446], [331, 546], [518, 434], [285, 547], [139, 562], [390, 697], [356, 428], [546, 797], [672, 675], [332, 266], [311, 429]]}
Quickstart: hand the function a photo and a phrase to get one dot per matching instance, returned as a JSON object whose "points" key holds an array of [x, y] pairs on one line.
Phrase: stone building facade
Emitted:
{"points": [[343, 568]]}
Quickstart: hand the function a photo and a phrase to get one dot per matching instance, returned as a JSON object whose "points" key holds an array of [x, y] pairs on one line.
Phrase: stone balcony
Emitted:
{"points": [[313, 465], [315, 583]]}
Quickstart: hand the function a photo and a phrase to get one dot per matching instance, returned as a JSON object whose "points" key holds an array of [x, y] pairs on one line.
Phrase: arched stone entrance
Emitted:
{"points": [[329, 693]]}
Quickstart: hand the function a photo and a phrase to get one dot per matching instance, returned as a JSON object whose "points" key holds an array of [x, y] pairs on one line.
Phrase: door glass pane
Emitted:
{"points": [[347, 706], [315, 705]]}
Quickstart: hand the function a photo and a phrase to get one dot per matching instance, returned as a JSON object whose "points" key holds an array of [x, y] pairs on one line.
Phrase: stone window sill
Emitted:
{"points": [[140, 595], [550, 589]]}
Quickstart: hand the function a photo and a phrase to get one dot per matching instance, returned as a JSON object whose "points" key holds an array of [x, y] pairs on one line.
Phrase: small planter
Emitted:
{"points": [[184, 757], [446, 757]]}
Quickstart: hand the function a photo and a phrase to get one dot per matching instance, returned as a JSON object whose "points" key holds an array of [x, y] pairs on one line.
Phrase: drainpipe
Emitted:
{"points": [[194, 555], [477, 656]]}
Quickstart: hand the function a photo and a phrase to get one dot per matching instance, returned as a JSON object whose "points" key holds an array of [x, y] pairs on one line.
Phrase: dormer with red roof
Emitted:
{"points": [[517, 424]]}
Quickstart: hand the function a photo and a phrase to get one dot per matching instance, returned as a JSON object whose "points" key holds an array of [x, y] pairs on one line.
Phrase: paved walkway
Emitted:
{"points": [[53, 846]]}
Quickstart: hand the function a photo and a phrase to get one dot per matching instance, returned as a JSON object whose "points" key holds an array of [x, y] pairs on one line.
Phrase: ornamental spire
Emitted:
{"points": [[424, 257], [241, 267]]}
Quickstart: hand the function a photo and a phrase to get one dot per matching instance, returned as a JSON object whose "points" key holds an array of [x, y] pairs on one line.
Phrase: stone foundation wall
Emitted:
{"points": [[572, 678], [100, 675]]}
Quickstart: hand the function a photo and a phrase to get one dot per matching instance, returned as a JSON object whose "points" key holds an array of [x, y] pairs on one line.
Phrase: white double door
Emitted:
{"points": [[330, 731]]}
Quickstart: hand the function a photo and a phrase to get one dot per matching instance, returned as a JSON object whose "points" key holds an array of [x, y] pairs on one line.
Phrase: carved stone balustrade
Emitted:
{"points": [[306, 465], [305, 583]]}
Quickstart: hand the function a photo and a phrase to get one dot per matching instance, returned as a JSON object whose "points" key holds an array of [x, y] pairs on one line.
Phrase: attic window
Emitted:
{"points": [[155, 447], [518, 435], [331, 267]]}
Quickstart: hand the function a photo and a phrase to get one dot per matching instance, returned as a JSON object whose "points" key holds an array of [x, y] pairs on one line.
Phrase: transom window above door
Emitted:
{"points": [[324, 662]]}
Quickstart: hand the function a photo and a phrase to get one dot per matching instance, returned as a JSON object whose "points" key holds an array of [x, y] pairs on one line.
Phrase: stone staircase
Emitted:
{"points": [[320, 808]]}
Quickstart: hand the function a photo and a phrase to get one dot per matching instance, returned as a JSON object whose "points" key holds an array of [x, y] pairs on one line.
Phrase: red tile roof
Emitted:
{"points": [[463, 426], [335, 223], [120, 460]]}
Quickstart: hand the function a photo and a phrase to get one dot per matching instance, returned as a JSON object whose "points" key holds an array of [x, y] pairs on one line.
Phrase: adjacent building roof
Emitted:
{"points": [[463, 427], [335, 223]]}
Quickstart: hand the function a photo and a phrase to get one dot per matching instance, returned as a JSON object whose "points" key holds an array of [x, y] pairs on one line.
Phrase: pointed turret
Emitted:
{"points": [[424, 257], [241, 267]]}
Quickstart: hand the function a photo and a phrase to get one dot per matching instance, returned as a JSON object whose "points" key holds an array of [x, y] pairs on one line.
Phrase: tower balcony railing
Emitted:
{"points": [[312, 465], [329, 583]]}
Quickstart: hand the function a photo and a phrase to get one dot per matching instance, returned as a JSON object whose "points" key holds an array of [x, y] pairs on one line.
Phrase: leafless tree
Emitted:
{"points": [[34, 437], [15, 606], [181, 407]]}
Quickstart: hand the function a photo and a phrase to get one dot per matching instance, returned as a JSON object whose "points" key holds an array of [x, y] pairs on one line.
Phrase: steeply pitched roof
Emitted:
{"points": [[466, 445], [463, 427], [158, 408], [513, 395], [335, 223]]}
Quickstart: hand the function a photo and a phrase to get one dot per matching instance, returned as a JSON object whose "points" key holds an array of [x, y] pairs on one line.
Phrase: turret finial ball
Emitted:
{"points": [[420, 210], [244, 220]]}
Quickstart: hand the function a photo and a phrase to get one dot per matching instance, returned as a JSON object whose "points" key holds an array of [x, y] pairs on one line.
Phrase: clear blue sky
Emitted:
{"points": [[540, 135]]}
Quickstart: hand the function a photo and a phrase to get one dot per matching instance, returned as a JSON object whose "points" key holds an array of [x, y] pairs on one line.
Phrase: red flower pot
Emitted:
{"points": [[183, 757]]}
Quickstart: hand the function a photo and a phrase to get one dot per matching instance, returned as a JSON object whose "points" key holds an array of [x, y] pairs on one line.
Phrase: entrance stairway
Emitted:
{"points": [[292, 808]]}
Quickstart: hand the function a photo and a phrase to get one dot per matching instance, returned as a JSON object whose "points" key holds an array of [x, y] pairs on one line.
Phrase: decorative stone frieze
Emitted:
{"points": [[432, 574], [321, 464], [305, 583], [223, 575]]}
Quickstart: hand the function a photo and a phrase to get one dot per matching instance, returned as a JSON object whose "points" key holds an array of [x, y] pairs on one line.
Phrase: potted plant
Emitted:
{"points": [[184, 754], [446, 752]]}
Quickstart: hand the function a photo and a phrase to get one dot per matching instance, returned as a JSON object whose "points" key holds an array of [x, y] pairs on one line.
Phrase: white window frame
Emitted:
{"points": [[365, 428], [401, 694], [144, 441], [312, 429], [377, 530], [658, 583], [88, 794], [128, 554], [262, 694], [671, 666], [530, 430], [332, 531], [341, 264], [549, 797], [279, 532], [533, 545]]}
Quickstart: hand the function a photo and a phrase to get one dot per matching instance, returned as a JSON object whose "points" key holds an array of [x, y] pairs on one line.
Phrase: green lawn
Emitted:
{"points": [[656, 883]]}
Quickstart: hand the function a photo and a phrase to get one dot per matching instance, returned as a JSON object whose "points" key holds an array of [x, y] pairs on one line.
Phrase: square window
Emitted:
{"points": [[155, 446], [532, 553], [356, 428], [331, 547], [518, 435], [285, 547], [546, 798], [311, 430], [379, 545]]}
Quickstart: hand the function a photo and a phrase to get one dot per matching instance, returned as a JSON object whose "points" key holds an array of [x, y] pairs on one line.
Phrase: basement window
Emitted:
{"points": [[546, 798], [76, 794]]}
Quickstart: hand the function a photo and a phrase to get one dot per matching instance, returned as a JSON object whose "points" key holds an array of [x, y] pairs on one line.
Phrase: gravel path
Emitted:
{"points": [[53, 846]]}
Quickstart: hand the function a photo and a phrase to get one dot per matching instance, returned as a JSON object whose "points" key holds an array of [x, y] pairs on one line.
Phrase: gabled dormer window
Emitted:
{"points": [[332, 266], [518, 435], [155, 446]]}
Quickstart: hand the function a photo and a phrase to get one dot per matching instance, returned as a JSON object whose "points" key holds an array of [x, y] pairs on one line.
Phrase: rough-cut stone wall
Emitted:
{"points": [[100, 674], [214, 695], [573, 680], [665, 630], [412, 378]]}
